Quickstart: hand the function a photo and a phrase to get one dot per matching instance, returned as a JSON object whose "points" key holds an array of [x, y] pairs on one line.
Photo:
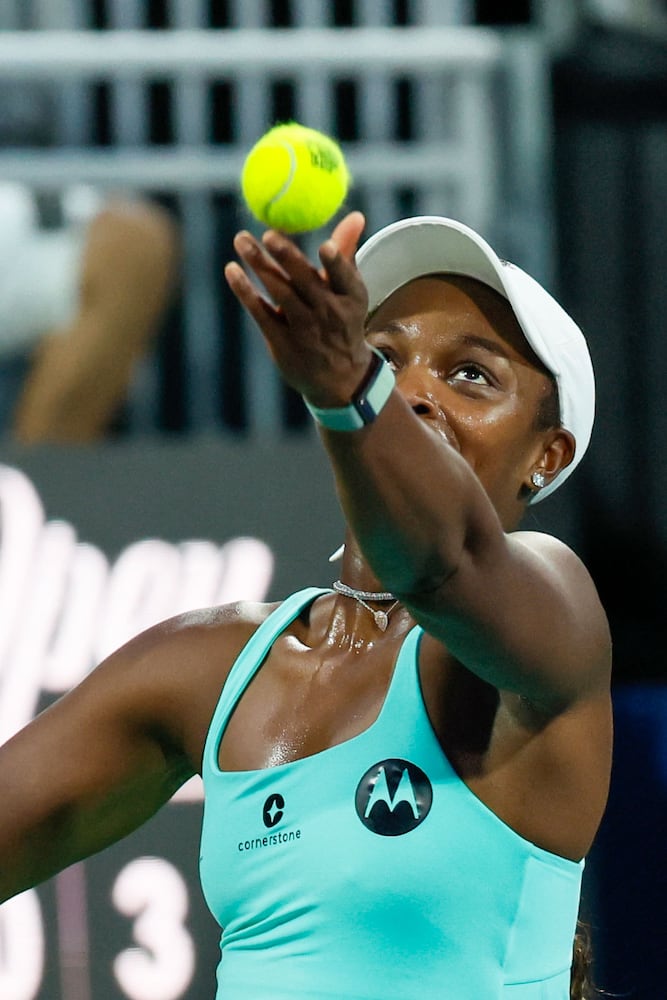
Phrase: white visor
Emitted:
{"points": [[431, 244]]}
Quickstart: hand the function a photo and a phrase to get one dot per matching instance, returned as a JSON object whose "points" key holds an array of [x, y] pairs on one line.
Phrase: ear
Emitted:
{"points": [[556, 453]]}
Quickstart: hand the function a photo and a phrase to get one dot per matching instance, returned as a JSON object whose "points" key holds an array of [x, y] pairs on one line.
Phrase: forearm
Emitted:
{"points": [[51, 817], [411, 501], [30, 857], [32, 852]]}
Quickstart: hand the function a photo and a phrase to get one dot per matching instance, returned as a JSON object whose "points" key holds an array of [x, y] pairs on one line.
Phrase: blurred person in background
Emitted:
{"points": [[85, 281]]}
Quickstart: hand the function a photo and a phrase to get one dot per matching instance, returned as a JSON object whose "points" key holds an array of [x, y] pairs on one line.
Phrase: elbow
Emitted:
{"points": [[450, 559]]}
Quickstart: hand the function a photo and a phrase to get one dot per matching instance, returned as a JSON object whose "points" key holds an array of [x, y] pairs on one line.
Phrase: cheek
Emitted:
{"points": [[495, 440]]}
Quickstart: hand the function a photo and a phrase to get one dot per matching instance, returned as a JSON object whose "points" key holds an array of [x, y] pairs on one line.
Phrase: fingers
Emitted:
{"points": [[277, 262], [342, 275], [303, 278], [267, 316], [289, 278], [252, 253], [311, 319], [337, 255], [348, 232]]}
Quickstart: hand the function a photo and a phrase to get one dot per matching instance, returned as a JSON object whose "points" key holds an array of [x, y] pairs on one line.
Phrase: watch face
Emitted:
{"points": [[375, 390], [367, 402], [365, 409]]}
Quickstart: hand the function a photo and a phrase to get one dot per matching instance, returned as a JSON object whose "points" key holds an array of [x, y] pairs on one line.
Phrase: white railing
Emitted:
{"points": [[195, 53], [478, 146]]}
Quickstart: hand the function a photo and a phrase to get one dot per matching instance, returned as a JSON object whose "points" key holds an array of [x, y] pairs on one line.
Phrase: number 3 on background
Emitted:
{"points": [[162, 966], [21, 947]]}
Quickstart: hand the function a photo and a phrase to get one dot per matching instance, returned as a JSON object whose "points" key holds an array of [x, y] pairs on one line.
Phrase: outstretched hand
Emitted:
{"points": [[313, 318]]}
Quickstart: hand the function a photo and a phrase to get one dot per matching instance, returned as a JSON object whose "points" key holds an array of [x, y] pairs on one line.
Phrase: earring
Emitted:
{"points": [[538, 479]]}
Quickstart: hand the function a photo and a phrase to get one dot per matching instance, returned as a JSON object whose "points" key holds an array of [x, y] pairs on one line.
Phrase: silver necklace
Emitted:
{"points": [[361, 596]]}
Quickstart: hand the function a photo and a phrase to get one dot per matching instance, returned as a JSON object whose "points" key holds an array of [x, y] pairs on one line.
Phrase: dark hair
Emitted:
{"points": [[582, 986], [548, 412]]}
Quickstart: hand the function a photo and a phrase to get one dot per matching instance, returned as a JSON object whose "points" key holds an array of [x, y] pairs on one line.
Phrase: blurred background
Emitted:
{"points": [[149, 454]]}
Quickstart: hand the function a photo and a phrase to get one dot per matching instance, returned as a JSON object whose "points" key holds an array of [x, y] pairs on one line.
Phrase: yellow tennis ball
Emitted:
{"points": [[294, 178]]}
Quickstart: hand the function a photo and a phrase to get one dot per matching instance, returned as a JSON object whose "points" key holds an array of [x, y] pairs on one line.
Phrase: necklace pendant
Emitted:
{"points": [[381, 620]]}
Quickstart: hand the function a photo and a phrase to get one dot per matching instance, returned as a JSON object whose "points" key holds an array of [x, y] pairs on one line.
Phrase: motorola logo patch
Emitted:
{"points": [[393, 797], [273, 809]]}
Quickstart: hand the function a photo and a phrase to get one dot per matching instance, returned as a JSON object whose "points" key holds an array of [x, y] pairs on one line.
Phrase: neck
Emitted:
{"points": [[363, 597], [354, 571], [364, 608]]}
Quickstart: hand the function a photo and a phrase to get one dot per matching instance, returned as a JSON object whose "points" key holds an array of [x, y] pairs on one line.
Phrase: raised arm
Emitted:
{"points": [[517, 609]]}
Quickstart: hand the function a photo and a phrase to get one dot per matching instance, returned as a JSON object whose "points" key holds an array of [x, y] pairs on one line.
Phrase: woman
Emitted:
{"points": [[398, 803]]}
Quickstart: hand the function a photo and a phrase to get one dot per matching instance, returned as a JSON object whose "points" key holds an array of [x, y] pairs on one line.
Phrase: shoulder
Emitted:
{"points": [[167, 679], [219, 621], [575, 600], [219, 632], [558, 562], [164, 664], [553, 552], [564, 571]]}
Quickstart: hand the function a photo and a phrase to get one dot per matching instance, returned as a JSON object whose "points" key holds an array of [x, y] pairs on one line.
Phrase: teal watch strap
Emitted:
{"points": [[366, 403]]}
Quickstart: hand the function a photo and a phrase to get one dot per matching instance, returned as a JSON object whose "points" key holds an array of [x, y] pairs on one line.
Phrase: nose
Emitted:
{"points": [[423, 406], [414, 384]]}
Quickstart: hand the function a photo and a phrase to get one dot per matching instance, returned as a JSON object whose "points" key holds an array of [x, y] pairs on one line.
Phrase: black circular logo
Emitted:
{"points": [[273, 809], [393, 797]]}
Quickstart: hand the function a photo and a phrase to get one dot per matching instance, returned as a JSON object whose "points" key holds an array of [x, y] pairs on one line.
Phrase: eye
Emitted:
{"points": [[388, 356], [472, 374]]}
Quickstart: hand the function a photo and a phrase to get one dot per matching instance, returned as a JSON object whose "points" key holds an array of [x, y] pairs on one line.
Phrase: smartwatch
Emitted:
{"points": [[366, 403]]}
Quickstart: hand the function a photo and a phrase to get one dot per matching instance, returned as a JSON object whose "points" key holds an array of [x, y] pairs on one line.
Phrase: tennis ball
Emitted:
{"points": [[294, 178]]}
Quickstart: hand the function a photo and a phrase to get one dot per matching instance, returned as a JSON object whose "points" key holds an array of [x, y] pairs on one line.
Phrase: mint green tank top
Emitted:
{"points": [[370, 870]]}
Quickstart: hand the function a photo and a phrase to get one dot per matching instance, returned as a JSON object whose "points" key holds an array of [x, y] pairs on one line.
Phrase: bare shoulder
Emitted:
{"points": [[579, 609], [206, 639], [168, 677], [549, 545], [224, 624], [563, 569]]}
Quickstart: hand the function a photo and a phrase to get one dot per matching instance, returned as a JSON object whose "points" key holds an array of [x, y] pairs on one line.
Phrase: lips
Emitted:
{"points": [[441, 426]]}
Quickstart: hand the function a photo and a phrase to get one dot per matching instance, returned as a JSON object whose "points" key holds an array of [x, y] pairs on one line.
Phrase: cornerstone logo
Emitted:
{"points": [[393, 797], [273, 809]]}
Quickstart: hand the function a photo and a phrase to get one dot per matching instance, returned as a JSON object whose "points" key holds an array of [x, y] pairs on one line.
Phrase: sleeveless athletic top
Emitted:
{"points": [[370, 870]]}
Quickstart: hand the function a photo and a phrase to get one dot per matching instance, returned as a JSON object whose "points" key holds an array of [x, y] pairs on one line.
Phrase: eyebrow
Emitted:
{"points": [[473, 340], [391, 326], [465, 339]]}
